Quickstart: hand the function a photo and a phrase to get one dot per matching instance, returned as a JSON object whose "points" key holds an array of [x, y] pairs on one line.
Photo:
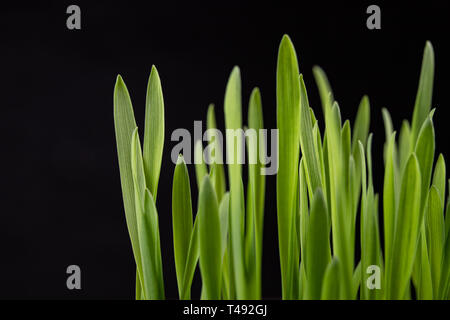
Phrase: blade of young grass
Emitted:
{"points": [[210, 241], [224, 209], [425, 156], [325, 92], [125, 124], [256, 188], [331, 285], [191, 262], [154, 131], [444, 285], [356, 280], [423, 283], [447, 214], [200, 166], [388, 128], [370, 239], [338, 206], [224, 214], [422, 104], [360, 133], [389, 199], [147, 226], [312, 165], [318, 247], [406, 230], [149, 238], [234, 148], [181, 219], [404, 145], [439, 178], [435, 236], [288, 123], [219, 176]]}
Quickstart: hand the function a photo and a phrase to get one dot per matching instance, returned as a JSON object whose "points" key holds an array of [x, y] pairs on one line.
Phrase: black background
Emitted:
{"points": [[60, 189]]}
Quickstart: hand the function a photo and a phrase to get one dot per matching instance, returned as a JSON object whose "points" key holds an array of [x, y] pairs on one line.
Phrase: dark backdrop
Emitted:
{"points": [[60, 188]]}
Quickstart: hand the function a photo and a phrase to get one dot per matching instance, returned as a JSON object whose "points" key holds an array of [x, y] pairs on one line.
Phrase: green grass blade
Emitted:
{"points": [[439, 178], [422, 105], [356, 280], [256, 189], [147, 227], [191, 261], [154, 131], [325, 92], [312, 165], [444, 286], [408, 220], [435, 235], [181, 219], [424, 284], [200, 166], [360, 133], [425, 155], [331, 284], [389, 199], [224, 209], [388, 128], [318, 247], [210, 241], [219, 176], [404, 144], [288, 123], [234, 148], [447, 216], [125, 124]]}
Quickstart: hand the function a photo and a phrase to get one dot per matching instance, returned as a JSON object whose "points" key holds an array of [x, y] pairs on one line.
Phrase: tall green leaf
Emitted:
{"points": [[235, 153], [210, 241], [288, 123], [331, 281], [435, 235], [318, 246], [154, 131], [424, 95], [406, 230], [181, 219], [125, 124]]}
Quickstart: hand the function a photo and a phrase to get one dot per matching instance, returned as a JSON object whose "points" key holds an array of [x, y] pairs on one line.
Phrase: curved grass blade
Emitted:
{"points": [[210, 241], [389, 199], [307, 145], [219, 175], [200, 166], [422, 105], [147, 227], [439, 178], [154, 131], [406, 230], [425, 156], [191, 262], [125, 124], [444, 285], [318, 247], [404, 145], [181, 219], [326, 94], [435, 236], [331, 285]]}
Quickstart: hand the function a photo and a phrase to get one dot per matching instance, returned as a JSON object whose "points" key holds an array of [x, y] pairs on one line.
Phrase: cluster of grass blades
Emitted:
{"points": [[324, 181]]}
